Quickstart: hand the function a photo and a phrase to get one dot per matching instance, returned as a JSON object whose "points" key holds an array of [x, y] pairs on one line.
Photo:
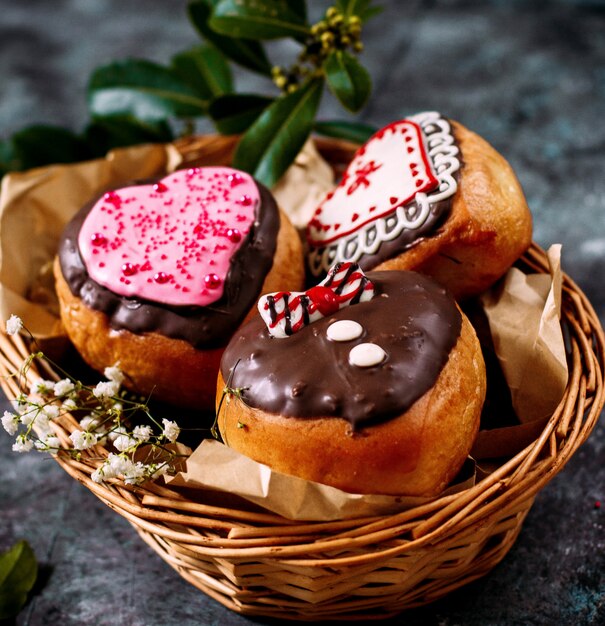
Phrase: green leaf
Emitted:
{"points": [[18, 572], [247, 53], [299, 7], [257, 19], [348, 80], [205, 70], [9, 161], [39, 145], [355, 132], [361, 8], [235, 113], [277, 136], [117, 131], [143, 89]]}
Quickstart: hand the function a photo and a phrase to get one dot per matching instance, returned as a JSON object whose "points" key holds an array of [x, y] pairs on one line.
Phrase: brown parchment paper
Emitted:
{"points": [[36, 205], [522, 311], [217, 467], [524, 314]]}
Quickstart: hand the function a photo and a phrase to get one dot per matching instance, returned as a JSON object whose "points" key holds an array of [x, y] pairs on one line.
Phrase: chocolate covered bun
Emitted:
{"points": [[424, 194], [376, 387], [158, 276]]}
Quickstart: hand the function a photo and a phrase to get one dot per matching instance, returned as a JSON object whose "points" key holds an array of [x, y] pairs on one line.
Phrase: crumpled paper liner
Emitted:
{"points": [[523, 314], [36, 205], [304, 186], [217, 467]]}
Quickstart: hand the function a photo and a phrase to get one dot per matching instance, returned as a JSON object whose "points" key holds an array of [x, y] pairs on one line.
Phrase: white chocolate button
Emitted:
{"points": [[344, 330], [366, 355]]}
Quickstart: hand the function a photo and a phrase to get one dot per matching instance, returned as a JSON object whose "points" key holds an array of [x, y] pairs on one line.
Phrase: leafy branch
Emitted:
{"points": [[137, 101]]}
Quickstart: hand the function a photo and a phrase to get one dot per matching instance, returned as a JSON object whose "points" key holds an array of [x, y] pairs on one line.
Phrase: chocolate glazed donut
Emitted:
{"points": [[202, 327], [401, 426], [170, 345]]}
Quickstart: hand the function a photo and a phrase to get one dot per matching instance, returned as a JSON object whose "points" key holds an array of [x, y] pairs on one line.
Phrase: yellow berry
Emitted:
{"points": [[327, 38]]}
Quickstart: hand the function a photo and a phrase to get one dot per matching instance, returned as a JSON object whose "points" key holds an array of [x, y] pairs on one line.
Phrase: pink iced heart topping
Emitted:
{"points": [[171, 241], [386, 173]]}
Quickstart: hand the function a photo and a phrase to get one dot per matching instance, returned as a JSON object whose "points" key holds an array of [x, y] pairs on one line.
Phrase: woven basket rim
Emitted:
{"points": [[207, 544]]}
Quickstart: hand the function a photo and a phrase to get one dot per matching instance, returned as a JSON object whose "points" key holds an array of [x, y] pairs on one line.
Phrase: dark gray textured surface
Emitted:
{"points": [[528, 76]]}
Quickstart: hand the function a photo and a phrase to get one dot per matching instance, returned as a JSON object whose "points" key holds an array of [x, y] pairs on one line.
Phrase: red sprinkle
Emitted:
{"points": [[245, 200], [161, 278], [597, 504], [235, 179], [98, 240], [160, 187], [212, 281], [234, 235], [128, 269], [113, 198]]}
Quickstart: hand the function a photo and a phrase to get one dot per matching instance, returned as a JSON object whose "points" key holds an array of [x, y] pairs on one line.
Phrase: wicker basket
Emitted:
{"points": [[262, 564]]}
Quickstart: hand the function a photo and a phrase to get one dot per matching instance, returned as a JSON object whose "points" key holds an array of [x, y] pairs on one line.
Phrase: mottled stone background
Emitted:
{"points": [[530, 78]]}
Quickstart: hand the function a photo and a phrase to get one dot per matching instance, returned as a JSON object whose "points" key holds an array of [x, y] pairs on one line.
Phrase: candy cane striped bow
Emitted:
{"points": [[287, 312]]}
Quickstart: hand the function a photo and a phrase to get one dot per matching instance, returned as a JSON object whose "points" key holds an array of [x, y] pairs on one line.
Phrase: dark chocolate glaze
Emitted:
{"points": [[203, 327], [411, 317]]}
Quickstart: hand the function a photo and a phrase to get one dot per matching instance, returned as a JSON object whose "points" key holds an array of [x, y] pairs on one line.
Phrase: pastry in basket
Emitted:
{"points": [[424, 194], [372, 384], [157, 276]]}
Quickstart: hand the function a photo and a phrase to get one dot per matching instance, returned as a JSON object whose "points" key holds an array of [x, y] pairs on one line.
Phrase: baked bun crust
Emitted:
{"points": [[416, 452], [424, 194], [170, 369], [489, 227]]}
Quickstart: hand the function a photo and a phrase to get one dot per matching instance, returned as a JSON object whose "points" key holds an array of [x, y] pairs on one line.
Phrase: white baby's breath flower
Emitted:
{"points": [[106, 389], [90, 422], [135, 474], [116, 432], [13, 325], [27, 417], [155, 471], [69, 405], [43, 424], [23, 444], [117, 463], [83, 440], [142, 433], [171, 430], [10, 422], [20, 403], [42, 387], [51, 411], [48, 442], [63, 387], [124, 442], [98, 476], [114, 373]]}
